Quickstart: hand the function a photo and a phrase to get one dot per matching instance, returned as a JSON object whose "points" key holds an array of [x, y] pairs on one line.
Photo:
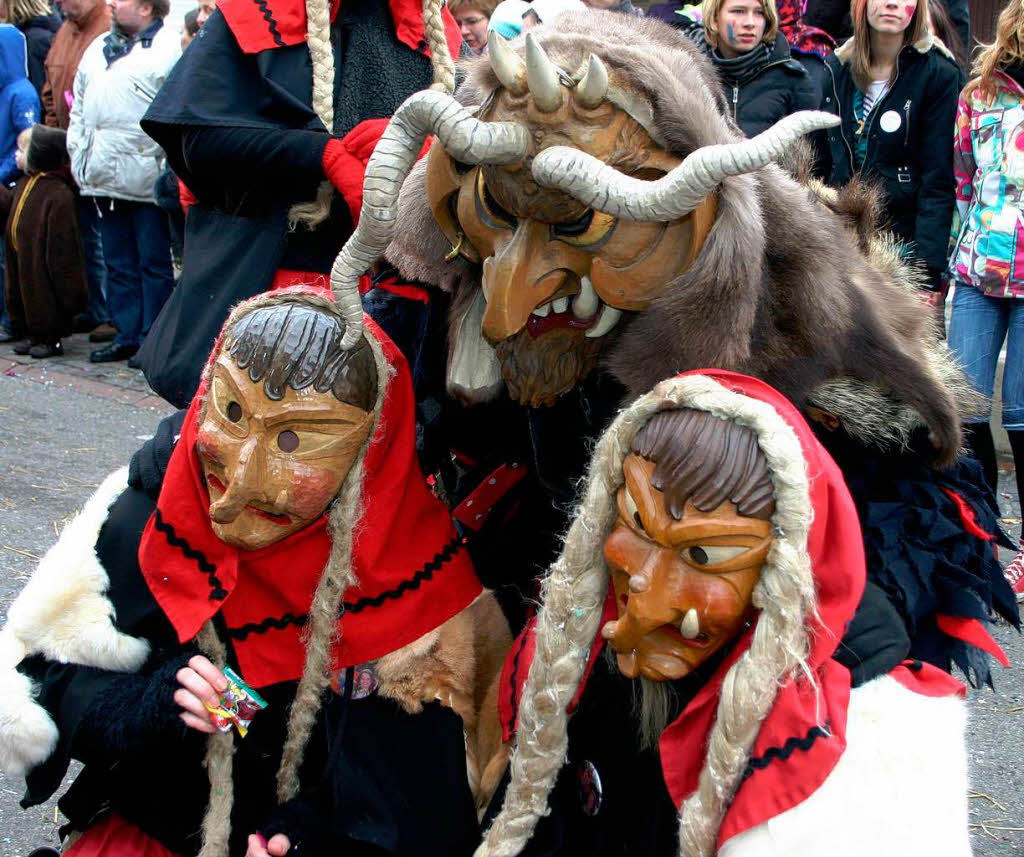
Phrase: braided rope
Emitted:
{"points": [[440, 57], [318, 38], [220, 747]]}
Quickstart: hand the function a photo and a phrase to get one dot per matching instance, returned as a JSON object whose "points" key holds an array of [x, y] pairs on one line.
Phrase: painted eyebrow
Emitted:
{"points": [[308, 416]]}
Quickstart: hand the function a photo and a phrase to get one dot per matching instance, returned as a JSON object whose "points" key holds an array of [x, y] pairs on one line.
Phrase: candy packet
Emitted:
{"points": [[238, 705]]}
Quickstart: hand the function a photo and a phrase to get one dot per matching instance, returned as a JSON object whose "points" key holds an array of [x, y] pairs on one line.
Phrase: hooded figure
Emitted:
{"points": [[19, 102], [717, 553], [288, 532]]}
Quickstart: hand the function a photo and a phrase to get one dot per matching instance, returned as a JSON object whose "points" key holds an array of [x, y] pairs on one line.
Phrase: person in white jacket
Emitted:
{"points": [[116, 163]]}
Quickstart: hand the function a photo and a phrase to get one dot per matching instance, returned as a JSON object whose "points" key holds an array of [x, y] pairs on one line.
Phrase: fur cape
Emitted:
{"points": [[783, 289]]}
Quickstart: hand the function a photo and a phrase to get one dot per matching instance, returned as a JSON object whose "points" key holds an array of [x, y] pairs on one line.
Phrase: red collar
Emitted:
{"points": [[413, 571], [261, 25]]}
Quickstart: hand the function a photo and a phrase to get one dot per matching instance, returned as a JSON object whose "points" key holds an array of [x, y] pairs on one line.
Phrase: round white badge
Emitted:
{"points": [[890, 121]]}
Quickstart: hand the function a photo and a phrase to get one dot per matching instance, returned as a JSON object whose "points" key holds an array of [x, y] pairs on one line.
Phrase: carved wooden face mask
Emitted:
{"points": [[683, 585], [557, 275], [272, 467]]}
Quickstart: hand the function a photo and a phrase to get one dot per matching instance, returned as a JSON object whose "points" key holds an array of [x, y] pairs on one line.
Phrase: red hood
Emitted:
{"points": [[413, 571]]}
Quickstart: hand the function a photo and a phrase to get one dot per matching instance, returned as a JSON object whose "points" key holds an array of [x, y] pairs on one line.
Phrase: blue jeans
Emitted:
{"points": [[95, 270], [977, 329], [137, 253]]}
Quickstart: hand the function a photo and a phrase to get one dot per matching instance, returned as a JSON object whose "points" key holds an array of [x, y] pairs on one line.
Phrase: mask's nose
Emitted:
{"points": [[244, 484]]}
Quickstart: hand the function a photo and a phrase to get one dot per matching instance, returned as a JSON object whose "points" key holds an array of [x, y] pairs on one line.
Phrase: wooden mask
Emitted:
{"points": [[689, 543], [286, 414]]}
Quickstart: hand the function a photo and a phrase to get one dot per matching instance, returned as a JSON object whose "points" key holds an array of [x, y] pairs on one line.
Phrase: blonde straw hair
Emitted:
{"points": [[321, 631], [573, 594], [920, 27], [710, 10], [1007, 48]]}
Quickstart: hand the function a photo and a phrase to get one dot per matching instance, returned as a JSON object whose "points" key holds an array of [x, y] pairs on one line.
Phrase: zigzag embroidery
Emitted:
{"points": [[425, 573], [271, 23], [791, 746], [217, 592]]}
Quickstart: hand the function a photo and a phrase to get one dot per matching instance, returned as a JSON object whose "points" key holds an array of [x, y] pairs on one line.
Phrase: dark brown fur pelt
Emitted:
{"points": [[783, 288]]}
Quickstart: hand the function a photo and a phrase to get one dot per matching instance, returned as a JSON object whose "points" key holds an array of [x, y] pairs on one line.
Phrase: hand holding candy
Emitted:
{"points": [[259, 846], [201, 684]]}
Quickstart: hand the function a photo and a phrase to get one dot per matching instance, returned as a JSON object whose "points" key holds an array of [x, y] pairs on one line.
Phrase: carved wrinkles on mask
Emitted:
{"points": [[548, 263], [683, 587], [272, 467]]}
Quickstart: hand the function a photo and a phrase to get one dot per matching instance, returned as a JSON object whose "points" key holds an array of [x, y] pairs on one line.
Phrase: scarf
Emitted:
{"points": [[412, 568], [117, 44]]}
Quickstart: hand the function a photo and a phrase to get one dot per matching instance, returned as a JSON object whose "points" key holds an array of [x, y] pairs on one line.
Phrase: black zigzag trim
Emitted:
{"points": [[245, 630], [759, 763], [217, 591], [271, 23], [426, 573]]}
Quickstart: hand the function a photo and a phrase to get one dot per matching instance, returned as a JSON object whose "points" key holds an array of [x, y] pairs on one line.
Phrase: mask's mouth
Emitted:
{"points": [[581, 310]]}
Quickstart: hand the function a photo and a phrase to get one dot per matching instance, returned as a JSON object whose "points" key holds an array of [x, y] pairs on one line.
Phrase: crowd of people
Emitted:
{"points": [[604, 494]]}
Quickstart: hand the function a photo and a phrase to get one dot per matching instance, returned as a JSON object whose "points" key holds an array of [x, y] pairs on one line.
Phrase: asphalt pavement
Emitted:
{"points": [[65, 424]]}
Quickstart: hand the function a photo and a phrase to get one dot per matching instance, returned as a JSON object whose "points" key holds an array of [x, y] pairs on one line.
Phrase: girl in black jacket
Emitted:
{"points": [[761, 81], [895, 87]]}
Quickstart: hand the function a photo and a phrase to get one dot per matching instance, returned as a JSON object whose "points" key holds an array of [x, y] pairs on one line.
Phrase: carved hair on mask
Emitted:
{"points": [[692, 534], [287, 411]]}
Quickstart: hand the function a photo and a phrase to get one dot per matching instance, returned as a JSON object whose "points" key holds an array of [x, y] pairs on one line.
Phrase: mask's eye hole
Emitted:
{"points": [[288, 441], [227, 405], [489, 209], [632, 513], [234, 412], [713, 554], [591, 229]]}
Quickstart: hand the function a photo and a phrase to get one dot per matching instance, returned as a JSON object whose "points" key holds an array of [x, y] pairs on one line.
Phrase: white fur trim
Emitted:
{"points": [[27, 734], [474, 372], [899, 790], [63, 615]]}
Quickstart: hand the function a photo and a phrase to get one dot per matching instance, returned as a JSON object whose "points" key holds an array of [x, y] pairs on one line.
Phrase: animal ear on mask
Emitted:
{"points": [[443, 181]]}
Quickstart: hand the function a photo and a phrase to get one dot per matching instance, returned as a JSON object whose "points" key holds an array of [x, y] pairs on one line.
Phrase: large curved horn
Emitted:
{"points": [[593, 86], [468, 139], [508, 66], [674, 195], [542, 77]]}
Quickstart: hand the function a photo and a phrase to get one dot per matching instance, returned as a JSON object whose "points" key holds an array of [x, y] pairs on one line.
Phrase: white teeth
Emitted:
{"points": [[690, 626], [542, 311], [585, 304], [560, 305], [609, 318]]}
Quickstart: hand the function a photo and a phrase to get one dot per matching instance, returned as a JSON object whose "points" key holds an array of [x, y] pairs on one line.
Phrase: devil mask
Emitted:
{"points": [[287, 413], [687, 549]]}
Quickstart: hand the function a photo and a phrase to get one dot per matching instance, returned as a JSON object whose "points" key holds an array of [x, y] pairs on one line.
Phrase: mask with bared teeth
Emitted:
{"points": [[686, 552]]}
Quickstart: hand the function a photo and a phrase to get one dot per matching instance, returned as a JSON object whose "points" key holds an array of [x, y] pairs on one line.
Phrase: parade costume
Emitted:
{"points": [[245, 132], [184, 559], [767, 750]]}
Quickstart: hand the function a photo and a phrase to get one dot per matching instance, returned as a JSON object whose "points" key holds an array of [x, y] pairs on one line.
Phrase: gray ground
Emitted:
{"points": [[66, 424]]}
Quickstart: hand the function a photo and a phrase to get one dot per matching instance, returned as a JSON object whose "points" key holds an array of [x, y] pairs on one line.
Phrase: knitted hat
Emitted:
{"points": [[47, 149]]}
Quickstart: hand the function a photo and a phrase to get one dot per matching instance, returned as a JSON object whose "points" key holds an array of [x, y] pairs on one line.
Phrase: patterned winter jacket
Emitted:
{"points": [[987, 236]]}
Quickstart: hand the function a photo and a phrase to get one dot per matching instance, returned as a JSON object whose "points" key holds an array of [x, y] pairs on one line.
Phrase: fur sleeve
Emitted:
{"points": [[63, 615]]}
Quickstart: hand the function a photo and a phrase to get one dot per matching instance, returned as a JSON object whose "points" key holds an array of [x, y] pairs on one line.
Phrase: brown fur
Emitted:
{"points": [[783, 287], [458, 665], [538, 371]]}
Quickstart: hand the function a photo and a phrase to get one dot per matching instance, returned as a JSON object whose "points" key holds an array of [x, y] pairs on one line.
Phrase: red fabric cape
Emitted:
{"points": [[261, 25], [413, 570], [805, 733]]}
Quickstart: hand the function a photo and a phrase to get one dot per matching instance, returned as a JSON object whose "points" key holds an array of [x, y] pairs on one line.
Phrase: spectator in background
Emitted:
{"points": [[206, 8], [833, 16], [761, 81], [987, 265], [472, 16], [547, 10], [507, 18], [117, 164], [946, 32], [38, 23], [189, 28], [85, 20], [895, 87], [807, 44], [625, 7], [44, 270], [19, 109]]}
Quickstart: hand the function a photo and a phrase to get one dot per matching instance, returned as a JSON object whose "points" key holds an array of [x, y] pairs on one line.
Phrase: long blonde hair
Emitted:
{"points": [[709, 14], [20, 11], [860, 63], [1007, 48]]}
